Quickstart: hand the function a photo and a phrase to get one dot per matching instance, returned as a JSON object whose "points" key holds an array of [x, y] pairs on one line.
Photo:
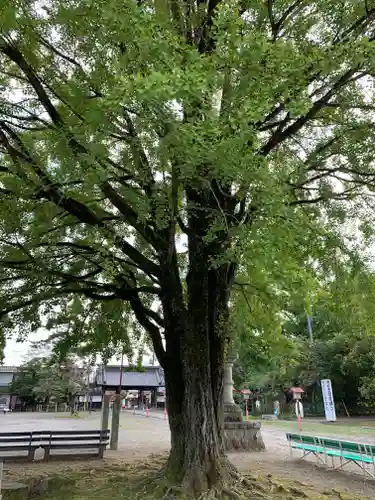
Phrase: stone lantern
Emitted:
{"points": [[238, 435], [297, 399], [232, 412], [296, 393]]}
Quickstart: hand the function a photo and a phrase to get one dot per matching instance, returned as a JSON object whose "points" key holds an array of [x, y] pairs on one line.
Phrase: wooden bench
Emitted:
{"points": [[361, 454], [79, 443]]}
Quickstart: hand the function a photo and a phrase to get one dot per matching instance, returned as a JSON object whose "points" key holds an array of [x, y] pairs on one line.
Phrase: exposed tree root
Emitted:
{"points": [[236, 487], [231, 494], [241, 487], [172, 492]]}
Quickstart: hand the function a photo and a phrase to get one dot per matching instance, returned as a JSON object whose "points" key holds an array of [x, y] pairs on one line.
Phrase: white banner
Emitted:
{"points": [[329, 403]]}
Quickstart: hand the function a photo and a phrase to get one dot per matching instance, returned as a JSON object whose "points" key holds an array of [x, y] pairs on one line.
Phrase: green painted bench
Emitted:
{"points": [[362, 454]]}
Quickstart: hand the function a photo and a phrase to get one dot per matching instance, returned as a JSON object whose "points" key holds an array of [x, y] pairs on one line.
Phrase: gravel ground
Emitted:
{"points": [[278, 462], [140, 436]]}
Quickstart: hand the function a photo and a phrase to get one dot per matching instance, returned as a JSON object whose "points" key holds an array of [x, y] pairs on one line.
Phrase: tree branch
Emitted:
{"points": [[370, 15], [143, 314], [140, 154], [76, 208], [294, 6], [37, 299], [15, 55], [361, 23], [131, 216], [282, 134], [271, 18], [318, 199]]}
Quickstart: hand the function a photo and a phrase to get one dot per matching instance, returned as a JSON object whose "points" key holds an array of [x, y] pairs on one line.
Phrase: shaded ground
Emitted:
{"points": [[140, 436], [137, 480]]}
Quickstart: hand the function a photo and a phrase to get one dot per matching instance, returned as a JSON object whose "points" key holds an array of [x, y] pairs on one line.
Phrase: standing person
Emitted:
{"points": [[276, 408]]}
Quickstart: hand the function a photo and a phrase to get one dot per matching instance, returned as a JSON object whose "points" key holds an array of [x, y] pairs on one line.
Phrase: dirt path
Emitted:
{"points": [[278, 462], [141, 436]]}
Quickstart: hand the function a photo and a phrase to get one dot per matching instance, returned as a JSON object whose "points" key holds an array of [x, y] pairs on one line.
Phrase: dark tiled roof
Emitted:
{"points": [[151, 377], [8, 369]]}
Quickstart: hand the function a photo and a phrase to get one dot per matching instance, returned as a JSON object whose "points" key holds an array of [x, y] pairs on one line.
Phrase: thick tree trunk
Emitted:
{"points": [[195, 322], [197, 460], [194, 368], [194, 401]]}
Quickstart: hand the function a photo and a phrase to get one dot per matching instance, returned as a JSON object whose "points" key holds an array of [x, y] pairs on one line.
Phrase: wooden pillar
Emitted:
{"points": [[116, 410], [105, 411]]}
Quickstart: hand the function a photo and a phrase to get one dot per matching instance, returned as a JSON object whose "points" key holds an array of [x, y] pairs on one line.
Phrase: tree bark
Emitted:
{"points": [[195, 331], [197, 459], [194, 366]]}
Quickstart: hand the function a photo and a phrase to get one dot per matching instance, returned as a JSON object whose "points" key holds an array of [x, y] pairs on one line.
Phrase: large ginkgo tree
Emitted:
{"points": [[149, 148]]}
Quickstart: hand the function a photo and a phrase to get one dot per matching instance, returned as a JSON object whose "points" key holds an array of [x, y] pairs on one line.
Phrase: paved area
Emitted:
{"points": [[140, 436]]}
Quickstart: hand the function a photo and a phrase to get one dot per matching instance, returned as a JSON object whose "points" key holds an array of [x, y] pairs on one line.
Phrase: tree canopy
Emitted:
{"points": [[96, 126], [151, 150]]}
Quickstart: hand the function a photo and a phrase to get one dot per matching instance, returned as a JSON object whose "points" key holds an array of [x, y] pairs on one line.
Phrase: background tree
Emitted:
{"points": [[25, 381], [149, 148], [344, 345], [45, 380], [277, 354], [60, 382]]}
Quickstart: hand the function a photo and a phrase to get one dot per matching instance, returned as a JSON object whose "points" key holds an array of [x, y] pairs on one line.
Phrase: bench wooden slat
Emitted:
{"points": [[15, 440], [72, 433], [336, 444], [334, 453], [84, 433], [301, 438], [72, 438], [52, 437], [68, 436], [71, 442], [10, 434], [74, 446], [362, 454], [53, 440], [75, 456], [15, 448]]}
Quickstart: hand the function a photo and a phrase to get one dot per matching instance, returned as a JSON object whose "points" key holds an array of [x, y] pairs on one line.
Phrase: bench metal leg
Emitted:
{"points": [[320, 459], [364, 468], [342, 464], [360, 465], [317, 455]]}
